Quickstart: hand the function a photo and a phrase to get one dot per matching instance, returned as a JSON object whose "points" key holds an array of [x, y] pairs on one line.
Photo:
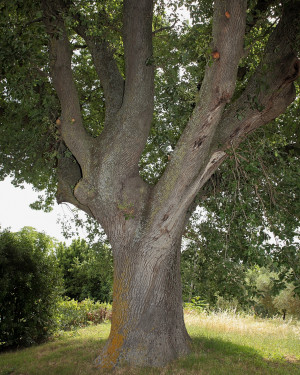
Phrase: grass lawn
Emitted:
{"points": [[222, 344]]}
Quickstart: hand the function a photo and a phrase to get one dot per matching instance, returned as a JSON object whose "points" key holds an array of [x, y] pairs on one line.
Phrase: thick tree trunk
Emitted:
{"points": [[147, 323], [144, 223]]}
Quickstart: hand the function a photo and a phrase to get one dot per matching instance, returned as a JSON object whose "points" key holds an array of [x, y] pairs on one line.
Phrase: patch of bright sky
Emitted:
{"points": [[15, 212]]}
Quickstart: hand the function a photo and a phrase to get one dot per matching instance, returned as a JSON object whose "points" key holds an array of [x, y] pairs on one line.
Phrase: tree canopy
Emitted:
{"points": [[30, 107]]}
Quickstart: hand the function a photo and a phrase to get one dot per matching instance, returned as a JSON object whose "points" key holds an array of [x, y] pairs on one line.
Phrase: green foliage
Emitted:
{"points": [[197, 304], [30, 286], [271, 296], [87, 270], [250, 215], [287, 302], [28, 104], [209, 269], [71, 314]]}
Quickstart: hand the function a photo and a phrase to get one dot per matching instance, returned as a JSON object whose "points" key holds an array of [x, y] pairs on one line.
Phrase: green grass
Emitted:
{"points": [[223, 344]]}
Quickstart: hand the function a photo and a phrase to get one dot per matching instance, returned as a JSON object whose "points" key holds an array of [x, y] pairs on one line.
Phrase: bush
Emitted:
{"points": [[72, 314], [30, 287]]}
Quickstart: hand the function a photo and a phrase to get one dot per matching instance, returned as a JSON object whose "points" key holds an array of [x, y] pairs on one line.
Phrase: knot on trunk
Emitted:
{"points": [[84, 191]]}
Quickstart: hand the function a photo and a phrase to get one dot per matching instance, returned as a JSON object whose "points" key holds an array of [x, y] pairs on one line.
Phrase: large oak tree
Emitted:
{"points": [[49, 106]]}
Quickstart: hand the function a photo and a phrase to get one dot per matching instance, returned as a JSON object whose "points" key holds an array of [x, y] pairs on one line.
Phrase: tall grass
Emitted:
{"points": [[222, 344], [272, 339]]}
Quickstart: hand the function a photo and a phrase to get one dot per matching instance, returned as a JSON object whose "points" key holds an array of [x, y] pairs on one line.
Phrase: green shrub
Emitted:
{"points": [[197, 304], [72, 314], [30, 287]]}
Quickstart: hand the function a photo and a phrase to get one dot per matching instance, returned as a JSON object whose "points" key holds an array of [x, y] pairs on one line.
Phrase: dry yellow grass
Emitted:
{"points": [[243, 324]]}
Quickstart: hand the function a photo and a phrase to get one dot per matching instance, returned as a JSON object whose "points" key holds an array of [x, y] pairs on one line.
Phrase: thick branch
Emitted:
{"points": [[72, 130], [120, 145], [113, 189], [192, 161], [134, 118], [268, 93], [137, 110], [107, 71], [270, 90], [68, 175], [139, 70]]}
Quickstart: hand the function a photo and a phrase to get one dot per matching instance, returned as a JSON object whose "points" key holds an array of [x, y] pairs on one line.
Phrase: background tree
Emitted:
{"points": [[87, 270], [269, 296], [96, 103]]}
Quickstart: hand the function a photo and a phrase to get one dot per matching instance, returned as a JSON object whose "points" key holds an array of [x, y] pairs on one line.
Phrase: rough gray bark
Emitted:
{"points": [[147, 325], [144, 224]]}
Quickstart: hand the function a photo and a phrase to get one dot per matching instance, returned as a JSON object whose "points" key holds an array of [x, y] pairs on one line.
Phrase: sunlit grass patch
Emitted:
{"points": [[271, 338]]}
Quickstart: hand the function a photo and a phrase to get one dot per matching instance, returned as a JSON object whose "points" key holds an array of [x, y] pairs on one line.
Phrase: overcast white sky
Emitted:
{"points": [[16, 213]]}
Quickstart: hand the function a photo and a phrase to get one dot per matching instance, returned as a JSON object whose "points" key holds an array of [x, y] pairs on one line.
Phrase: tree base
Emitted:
{"points": [[157, 349]]}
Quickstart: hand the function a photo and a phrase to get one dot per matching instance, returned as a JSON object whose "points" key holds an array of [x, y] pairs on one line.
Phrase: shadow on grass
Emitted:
{"points": [[64, 356], [214, 356]]}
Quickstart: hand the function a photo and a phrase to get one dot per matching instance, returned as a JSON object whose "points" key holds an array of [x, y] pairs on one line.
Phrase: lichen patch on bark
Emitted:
{"points": [[119, 329]]}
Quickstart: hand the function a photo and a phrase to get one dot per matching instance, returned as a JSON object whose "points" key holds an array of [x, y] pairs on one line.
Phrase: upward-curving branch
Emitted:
{"points": [[106, 68], [138, 103], [70, 122], [187, 170], [270, 89]]}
